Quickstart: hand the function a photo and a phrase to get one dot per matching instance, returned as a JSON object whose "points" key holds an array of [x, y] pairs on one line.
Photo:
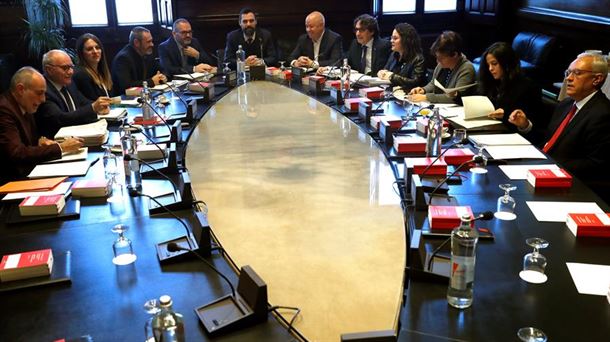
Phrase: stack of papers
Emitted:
{"points": [[94, 134], [507, 146], [498, 139], [61, 189], [115, 114]]}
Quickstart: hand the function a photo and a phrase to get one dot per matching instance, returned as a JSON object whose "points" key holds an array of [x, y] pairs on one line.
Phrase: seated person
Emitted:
{"points": [[452, 70], [135, 64], [577, 135], [405, 66], [64, 105], [256, 42], [92, 76], [21, 147], [368, 53], [181, 53], [501, 80], [319, 47]]}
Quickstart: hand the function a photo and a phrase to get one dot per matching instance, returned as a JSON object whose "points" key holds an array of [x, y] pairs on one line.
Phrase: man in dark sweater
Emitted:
{"points": [[255, 41]]}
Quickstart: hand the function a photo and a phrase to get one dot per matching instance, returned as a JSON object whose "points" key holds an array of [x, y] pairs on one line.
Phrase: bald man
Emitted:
{"points": [[319, 46], [65, 105], [21, 147]]}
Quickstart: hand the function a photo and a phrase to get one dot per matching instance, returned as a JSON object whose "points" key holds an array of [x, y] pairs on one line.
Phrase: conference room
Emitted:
{"points": [[410, 170]]}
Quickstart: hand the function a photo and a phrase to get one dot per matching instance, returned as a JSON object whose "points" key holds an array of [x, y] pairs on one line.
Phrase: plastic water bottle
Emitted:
{"points": [[346, 71], [147, 113], [133, 178], [167, 325], [435, 134], [461, 279], [240, 56]]}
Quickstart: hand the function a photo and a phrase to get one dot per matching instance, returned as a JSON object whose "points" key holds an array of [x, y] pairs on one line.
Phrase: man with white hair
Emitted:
{"points": [[21, 147], [65, 105], [319, 46]]}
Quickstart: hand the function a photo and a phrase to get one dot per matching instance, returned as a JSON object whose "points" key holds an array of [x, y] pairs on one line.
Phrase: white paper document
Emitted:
{"points": [[469, 124], [517, 172], [454, 89], [558, 211], [78, 168], [130, 103], [498, 139], [477, 107], [81, 154], [114, 114], [590, 279], [191, 76], [94, 129], [514, 152], [60, 189]]}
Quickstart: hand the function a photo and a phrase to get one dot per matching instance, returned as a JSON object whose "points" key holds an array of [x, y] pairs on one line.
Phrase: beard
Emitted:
{"points": [[249, 31]]}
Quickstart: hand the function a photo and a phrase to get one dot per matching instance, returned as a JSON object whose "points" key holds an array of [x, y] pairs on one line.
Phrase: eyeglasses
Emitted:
{"points": [[67, 67], [359, 29], [576, 72], [186, 33]]}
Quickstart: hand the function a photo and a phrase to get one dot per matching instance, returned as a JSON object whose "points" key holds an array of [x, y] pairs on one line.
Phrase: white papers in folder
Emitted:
{"points": [[477, 107], [452, 90], [81, 154], [78, 168], [558, 211], [498, 139], [590, 279]]}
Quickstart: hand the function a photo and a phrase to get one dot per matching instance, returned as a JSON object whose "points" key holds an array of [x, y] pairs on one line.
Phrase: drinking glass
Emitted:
{"points": [[534, 263], [408, 106], [226, 69], [480, 164], [123, 251], [459, 135], [110, 164], [282, 67], [531, 334], [506, 204]]}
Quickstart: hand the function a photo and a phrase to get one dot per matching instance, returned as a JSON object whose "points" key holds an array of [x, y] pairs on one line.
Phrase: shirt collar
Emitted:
{"points": [[253, 36], [584, 101], [319, 40], [369, 45]]}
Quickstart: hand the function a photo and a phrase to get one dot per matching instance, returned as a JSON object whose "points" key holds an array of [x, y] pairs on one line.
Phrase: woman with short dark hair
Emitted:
{"points": [[92, 77], [405, 66]]}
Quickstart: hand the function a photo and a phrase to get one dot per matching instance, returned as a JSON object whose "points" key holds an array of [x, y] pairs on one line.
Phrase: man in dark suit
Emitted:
{"points": [[256, 42], [181, 53], [65, 105], [319, 47], [368, 53], [21, 147], [135, 64], [578, 135]]}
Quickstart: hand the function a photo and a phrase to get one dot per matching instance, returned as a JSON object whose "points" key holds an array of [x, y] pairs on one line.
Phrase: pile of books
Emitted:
{"points": [[26, 265], [42, 205], [91, 188]]}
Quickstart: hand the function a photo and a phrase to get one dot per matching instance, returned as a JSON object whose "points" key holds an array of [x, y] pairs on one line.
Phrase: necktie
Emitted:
{"points": [[560, 129], [250, 40], [67, 99], [446, 83], [363, 59]]}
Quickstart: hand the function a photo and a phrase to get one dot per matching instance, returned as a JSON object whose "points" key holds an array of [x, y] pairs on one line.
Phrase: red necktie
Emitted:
{"points": [[560, 129]]}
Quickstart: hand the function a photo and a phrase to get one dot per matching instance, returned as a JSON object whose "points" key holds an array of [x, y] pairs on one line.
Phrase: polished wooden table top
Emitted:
{"points": [[298, 192]]}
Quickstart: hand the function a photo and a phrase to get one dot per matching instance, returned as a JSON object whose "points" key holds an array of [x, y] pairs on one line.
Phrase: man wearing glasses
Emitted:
{"points": [[65, 105], [368, 53], [256, 42], [181, 53], [578, 135]]}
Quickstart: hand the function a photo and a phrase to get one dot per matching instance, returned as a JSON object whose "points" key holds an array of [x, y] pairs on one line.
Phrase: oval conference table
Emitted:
{"points": [[302, 195]]}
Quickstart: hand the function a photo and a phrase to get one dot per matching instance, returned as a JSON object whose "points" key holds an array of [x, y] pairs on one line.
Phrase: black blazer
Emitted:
{"points": [[87, 86], [407, 74], [331, 48], [236, 38], [53, 114], [129, 69], [583, 148], [171, 59], [381, 51]]}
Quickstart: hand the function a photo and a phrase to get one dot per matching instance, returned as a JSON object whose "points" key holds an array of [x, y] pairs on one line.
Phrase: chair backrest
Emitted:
{"points": [[533, 48]]}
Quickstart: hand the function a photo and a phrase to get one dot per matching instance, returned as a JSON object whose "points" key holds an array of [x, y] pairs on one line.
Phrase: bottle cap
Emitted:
{"points": [[165, 300]]}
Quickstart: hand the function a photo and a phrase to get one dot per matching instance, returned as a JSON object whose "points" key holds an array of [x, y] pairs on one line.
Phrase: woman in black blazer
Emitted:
{"points": [[92, 77], [405, 66], [501, 80]]}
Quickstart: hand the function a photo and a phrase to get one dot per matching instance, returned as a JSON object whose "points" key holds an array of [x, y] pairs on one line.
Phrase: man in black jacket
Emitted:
{"points": [[181, 53], [256, 42], [319, 47], [65, 105], [135, 64], [368, 53]]}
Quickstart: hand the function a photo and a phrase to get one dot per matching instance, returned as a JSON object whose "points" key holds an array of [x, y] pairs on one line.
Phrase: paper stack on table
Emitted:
{"points": [[94, 134], [507, 146]]}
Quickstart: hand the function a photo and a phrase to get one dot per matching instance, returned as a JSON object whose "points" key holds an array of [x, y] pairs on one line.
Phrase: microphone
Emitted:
{"points": [[174, 247], [475, 159], [463, 141], [333, 66], [140, 100], [484, 216]]}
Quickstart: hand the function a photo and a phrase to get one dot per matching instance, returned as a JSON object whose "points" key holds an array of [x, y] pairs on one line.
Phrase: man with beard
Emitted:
{"points": [[182, 53], [135, 64], [256, 42]]}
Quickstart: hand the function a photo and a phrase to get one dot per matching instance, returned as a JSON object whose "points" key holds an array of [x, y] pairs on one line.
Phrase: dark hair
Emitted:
{"points": [[409, 40], [246, 10], [368, 23], [511, 70], [447, 43], [102, 74]]}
